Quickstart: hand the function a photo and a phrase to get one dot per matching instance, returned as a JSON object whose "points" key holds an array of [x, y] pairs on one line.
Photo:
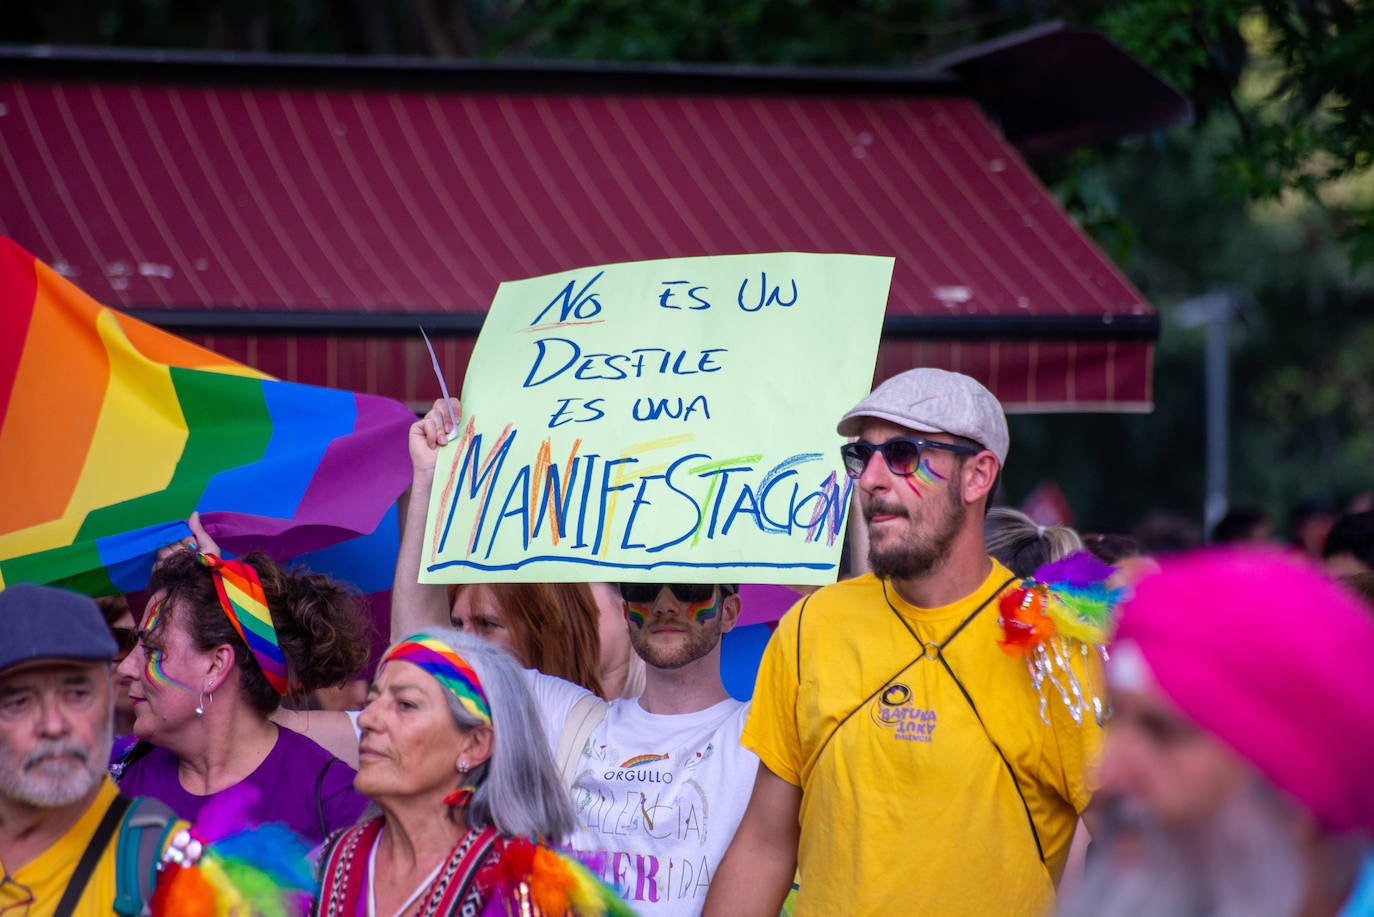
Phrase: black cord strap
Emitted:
{"points": [[939, 655], [99, 841]]}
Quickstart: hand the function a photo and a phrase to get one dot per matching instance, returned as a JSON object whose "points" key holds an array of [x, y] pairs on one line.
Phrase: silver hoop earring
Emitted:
{"points": [[206, 699]]}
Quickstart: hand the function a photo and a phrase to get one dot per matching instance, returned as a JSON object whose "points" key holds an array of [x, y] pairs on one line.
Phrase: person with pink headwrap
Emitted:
{"points": [[1236, 777]]}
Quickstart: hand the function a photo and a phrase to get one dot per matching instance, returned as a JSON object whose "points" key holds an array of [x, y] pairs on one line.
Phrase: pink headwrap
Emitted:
{"points": [[1277, 661]]}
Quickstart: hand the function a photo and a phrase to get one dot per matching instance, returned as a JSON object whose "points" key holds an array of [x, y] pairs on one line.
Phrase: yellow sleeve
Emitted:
{"points": [[770, 731]]}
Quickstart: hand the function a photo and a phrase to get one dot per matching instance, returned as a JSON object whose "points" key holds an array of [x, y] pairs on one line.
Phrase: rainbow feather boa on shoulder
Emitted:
{"points": [[531, 880], [216, 870], [1052, 619]]}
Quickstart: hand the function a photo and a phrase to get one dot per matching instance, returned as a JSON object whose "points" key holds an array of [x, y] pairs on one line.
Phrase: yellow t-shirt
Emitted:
{"points": [[47, 875], [907, 806]]}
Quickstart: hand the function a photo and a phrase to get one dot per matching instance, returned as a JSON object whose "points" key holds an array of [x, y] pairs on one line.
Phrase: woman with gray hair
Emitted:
{"points": [[454, 758]]}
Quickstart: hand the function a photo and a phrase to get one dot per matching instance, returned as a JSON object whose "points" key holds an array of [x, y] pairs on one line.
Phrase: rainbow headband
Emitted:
{"points": [[245, 605], [438, 659]]}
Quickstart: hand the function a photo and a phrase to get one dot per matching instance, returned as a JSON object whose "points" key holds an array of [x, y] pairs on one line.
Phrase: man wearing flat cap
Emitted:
{"points": [[907, 762], [1236, 776], [62, 821]]}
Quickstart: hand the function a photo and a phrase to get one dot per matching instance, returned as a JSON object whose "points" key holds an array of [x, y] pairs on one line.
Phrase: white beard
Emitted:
{"points": [[21, 781], [1244, 862]]}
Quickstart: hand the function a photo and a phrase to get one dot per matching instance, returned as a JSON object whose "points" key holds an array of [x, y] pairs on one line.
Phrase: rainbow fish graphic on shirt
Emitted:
{"points": [[638, 760]]}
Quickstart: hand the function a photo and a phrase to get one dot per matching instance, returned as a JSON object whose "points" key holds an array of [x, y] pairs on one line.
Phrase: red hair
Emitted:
{"points": [[553, 627]]}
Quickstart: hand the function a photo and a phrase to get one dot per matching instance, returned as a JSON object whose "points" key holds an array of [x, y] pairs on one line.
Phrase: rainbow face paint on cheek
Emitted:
{"points": [[153, 672], [636, 616], [925, 476], [155, 675], [702, 612]]}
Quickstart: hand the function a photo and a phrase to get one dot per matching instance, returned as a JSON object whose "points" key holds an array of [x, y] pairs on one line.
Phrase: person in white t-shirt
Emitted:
{"points": [[663, 781]]}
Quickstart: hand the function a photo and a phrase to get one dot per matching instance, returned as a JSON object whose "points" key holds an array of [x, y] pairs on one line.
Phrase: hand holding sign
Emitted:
{"points": [[659, 420]]}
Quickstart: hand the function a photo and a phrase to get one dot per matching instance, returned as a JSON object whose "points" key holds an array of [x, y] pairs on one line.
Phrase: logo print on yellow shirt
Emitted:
{"points": [[893, 710]]}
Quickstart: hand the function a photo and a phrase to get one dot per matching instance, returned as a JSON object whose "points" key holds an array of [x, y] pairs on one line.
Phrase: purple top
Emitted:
{"points": [[288, 782]]}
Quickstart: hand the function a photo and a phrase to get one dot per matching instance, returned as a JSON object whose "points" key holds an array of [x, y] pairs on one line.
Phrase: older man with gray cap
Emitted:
{"points": [[65, 832], [906, 762]]}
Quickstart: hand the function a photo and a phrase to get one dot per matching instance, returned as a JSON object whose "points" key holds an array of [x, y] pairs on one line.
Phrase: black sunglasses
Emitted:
{"points": [[903, 456], [644, 593]]}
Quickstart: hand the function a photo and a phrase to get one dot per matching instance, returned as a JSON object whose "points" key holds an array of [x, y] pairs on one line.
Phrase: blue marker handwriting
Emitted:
{"points": [[574, 508], [578, 302]]}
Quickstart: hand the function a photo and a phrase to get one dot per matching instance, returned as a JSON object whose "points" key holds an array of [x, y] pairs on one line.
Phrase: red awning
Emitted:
{"points": [[304, 225]]}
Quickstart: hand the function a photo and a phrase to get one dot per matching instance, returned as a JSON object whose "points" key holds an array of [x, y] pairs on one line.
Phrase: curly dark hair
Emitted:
{"points": [[321, 625]]}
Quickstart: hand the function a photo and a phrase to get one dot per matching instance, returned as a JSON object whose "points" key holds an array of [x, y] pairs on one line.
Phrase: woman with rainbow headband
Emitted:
{"points": [[220, 644], [453, 754]]}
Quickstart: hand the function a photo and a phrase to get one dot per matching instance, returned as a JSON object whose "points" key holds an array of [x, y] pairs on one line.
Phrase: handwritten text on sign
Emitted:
{"points": [[660, 420]]}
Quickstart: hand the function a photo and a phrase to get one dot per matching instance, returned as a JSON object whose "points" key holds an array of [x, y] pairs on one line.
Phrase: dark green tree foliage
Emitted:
{"points": [[1302, 372], [1311, 125]]}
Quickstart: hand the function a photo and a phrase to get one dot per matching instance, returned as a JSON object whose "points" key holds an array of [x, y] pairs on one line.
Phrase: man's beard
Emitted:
{"points": [[700, 642], [912, 559], [24, 781], [1243, 862]]}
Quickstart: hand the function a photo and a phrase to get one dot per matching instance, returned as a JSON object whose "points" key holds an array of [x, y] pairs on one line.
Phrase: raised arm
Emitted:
{"points": [[416, 605], [756, 874]]}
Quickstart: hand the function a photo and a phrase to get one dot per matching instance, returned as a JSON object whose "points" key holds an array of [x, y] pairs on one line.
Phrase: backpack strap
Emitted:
{"points": [[95, 848], [319, 795], [143, 835], [585, 716]]}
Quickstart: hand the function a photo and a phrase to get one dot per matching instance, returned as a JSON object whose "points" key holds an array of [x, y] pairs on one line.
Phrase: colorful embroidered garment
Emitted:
{"points": [[484, 874]]}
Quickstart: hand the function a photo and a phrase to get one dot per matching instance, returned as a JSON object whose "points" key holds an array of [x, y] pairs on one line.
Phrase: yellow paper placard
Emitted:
{"points": [[660, 421]]}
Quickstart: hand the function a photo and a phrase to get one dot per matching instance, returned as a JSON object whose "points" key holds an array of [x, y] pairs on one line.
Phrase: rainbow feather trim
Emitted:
{"points": [[531, 880], [263, 871], [1059, 613]]}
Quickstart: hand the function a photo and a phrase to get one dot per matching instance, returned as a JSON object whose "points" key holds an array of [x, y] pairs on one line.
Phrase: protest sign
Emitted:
{"points": [[664, 420]]}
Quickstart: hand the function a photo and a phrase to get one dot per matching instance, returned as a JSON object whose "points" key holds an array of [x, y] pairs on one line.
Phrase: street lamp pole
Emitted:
{"points": [[1215, 311]]}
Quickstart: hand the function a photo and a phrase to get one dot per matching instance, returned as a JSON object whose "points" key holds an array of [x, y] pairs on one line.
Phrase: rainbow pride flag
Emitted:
{"points": [[112, 432]]}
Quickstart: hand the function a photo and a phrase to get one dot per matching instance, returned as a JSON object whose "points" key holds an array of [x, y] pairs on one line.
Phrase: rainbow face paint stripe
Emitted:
{"points": [[448, 668], [245, 604], [153, 672], [927, 475], [701, 612], [924, 475], [154, 618], [155, 675]]}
